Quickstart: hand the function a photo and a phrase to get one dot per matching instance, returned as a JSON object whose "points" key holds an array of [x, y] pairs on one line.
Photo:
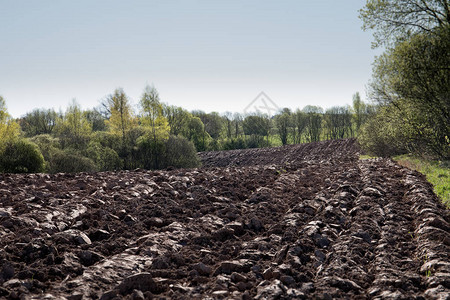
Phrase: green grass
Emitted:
{"points": [[437, 173]]}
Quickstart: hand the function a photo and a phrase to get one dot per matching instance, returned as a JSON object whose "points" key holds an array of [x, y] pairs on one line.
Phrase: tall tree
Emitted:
{"points": [[121, 121], [359, 111], [256, 127], [397, 20], [212, 121], [412, 76], [338, 122], [314, 123], [39, 121], [300, 120], [9, 129], [96, 118], [178, 119], [283, 123], [73, 128], [415, 75], [121, 118], [154, 119]]}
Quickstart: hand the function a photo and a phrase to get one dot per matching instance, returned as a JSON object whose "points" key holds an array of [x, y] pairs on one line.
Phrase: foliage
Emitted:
{"points": [[39, 121], [395, 21], [111, 137], [213, 123], [196, 133], [70, 161], [149, 151], [359, 112], [413, 78], [21, 156], [180, 153], [96, 119], [105, 158], [47, 144], [177, 118], [381, 135], [256, 125], [234, 143], [9, 129], [121, 119], [313, 122], [300, 122], [338, 122], [283, 123], [152, 112], [73, 128]]}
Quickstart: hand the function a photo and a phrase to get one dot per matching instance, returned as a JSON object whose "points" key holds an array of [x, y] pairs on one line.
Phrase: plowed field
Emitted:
{"points": [[303, 221]]}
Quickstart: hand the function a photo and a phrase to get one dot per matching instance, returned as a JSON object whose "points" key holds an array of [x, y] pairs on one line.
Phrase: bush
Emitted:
{"points": [[104, 157], [235, 143], [47, 144], [257, 141], [150, 151], [382, 136], [180, 153], [70, 161], [22, 156]]}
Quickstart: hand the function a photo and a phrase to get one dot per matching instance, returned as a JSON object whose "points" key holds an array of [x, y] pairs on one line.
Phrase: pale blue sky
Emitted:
{"points": [[199, 54]]}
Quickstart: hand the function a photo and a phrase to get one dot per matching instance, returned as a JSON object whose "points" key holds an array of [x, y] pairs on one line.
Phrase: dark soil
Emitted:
{"points": [[304, 221]]}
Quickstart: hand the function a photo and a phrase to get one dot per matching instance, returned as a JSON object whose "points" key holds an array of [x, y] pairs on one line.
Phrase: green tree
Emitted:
{"points": [[414, 76], [314, 122], [121, 118], [197, 134], [338, 122], [212, 121], [121, 121], [359, 112], [9, 129], [39, 121], [237, 122], [283, 123], [256, 127], [96, 119], [395, 21], [73, 128], [411, 79], [154, 119], [178, 119], [105, 158], [300, 120]]}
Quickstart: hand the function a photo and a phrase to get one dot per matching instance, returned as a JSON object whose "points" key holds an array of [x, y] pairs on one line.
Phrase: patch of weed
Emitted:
{"points": [[437, 173]]}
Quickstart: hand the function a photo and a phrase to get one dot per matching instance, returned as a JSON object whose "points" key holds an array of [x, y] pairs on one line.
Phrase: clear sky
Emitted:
{"points": [[200, 54]]}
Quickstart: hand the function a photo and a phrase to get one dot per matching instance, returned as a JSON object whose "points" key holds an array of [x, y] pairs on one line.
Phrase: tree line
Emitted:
{"points": [[410, 111], [113, 136]]}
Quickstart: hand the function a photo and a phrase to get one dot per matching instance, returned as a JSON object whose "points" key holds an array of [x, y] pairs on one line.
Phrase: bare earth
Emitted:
{"points": [[303, 221]]}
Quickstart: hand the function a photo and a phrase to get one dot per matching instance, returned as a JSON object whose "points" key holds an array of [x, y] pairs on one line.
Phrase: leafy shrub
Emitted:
{"points": [[22, 156], [180, 153], [381, 136], [257, 141], [104, 157], [47, 144], [70, 161], [235, 143], [107, 139]]}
